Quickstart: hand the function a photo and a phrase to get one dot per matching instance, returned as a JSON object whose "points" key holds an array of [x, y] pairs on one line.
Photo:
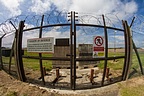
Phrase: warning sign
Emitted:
{"points": [[98, 41], [41, 45], [98, 46]]}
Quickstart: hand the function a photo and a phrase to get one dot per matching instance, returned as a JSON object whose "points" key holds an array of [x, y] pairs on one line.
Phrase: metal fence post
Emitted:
{"points": [[18, 52], [73, 51], [1, 62], [106, 50], [1, 54], [40, 55]]}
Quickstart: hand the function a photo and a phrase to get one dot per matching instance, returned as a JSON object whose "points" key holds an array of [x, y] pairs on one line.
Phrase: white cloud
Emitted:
{"points": [[104, 7], [17, 7], [40, 6], [12, 6], [62, 4]]}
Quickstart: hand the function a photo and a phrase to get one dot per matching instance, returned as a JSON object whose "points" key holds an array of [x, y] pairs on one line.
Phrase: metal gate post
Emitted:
{"points": [[1, 62], [73, 51], [106, 51], [126, 45], [128, 51], [18, 52], [40, 55], [1, 67]]}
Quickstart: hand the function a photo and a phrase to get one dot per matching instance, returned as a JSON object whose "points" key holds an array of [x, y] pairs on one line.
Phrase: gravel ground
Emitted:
{"points": [[9, 86]]}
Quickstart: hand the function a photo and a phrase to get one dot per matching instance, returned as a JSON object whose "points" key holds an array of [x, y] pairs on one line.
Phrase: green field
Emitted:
{"points": [[115, 65], [32, 63]]}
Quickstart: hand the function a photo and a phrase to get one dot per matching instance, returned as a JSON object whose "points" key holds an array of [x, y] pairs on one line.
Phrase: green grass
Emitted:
{"points": [[34, 64], [12, 93], [115, 65], [119, 64], [132, 91]]}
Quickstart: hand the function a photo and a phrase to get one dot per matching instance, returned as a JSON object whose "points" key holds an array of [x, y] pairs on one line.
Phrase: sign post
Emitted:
{"points": [[98, 46]]}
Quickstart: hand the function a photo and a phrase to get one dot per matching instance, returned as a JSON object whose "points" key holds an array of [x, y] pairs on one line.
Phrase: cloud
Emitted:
{"points": [[40, 6], [12, 6], [98, 6], [62, 4]]}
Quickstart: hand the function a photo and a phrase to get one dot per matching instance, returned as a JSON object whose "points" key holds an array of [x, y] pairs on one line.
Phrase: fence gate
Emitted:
{"points": [[73, 56]]}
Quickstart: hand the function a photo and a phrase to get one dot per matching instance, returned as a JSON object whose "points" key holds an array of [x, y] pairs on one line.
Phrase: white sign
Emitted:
{"points": [[41, 45], [98, 46]]}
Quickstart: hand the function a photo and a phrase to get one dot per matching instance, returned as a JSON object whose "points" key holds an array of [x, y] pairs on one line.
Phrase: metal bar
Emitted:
{"points": [[135, 49], [1, 61], [53, 25], [132, 22], [77, 59], [74, 52], [128, 52], [48, 58], [18, 53], [126, 45], [99, 59], [71, 52], [20, 35], [138, 57], [100, 26], [1, 53], [13, 25], [106, 50], [40, 55], [12, 51]]}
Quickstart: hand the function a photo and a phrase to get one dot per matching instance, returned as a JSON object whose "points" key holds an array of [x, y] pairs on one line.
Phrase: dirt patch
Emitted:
{"points": [[9, 86]]}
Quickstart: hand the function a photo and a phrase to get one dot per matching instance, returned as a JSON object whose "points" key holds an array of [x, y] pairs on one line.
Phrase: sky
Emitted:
{"points": [[115, 11]]}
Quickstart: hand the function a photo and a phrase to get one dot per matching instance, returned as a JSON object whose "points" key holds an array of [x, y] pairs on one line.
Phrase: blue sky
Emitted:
{"points": [[113, 9]]}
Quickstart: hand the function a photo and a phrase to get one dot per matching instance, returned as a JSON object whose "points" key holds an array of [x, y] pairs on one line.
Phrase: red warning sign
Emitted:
{"points": [[98, 41], [98, 46]]}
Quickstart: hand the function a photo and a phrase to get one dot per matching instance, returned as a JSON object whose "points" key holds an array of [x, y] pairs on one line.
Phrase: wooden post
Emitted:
{"points": [[57, 73], [107, 74], [44, 71], [91, 76]]}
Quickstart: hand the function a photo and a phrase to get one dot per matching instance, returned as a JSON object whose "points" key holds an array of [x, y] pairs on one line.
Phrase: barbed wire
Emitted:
{"points": [[56, 17]]}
